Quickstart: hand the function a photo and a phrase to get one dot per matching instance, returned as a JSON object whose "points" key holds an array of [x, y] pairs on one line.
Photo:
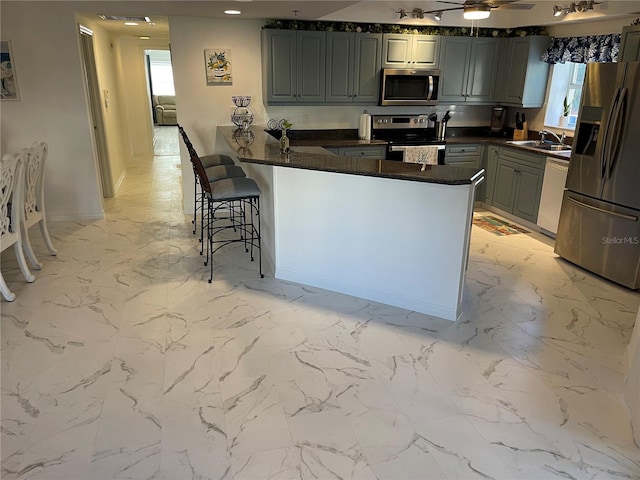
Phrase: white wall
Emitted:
{"points": [[135, 94], [53, 106], [106, 65], [202, 108]]}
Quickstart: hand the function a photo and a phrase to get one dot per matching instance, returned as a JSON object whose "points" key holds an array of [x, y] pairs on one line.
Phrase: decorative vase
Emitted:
{"points": [[284, 142], [563, 121]]}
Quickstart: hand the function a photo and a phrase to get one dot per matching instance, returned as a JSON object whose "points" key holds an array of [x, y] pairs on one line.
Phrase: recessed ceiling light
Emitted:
{"points": [[131, 24], [232, 12], [144, 37]]}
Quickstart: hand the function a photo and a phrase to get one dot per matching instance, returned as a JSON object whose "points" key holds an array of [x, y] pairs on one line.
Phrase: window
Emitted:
{"points": [[566, 82], [160, 72], [574, 89]]}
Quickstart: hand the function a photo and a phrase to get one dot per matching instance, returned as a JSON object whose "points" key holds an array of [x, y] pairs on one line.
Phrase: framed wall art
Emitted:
{"points": [[218, 66], [8, 81]]}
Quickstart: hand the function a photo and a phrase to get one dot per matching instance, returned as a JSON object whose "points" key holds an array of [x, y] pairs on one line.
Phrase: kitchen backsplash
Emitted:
{"points": [[332, 116]]}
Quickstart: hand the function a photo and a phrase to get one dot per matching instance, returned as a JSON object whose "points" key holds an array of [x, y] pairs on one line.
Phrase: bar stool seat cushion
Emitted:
{"points": [[234, 189]]}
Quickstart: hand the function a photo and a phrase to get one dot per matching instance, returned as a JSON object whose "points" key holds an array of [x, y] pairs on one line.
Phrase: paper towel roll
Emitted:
{"points": [[364, 132]]}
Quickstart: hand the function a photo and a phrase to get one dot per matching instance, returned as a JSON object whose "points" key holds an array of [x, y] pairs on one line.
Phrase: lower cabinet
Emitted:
{"points": [[491, 167], [374, 151], [518, 183], [468, 155]]}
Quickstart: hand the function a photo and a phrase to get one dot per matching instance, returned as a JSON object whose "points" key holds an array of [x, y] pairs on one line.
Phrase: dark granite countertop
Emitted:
{"points": [[479, 136], [332, 138], [264, 149]]}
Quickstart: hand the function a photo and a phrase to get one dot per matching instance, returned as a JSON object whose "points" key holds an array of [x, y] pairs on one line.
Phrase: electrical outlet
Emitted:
{"points": [[306, 118]]}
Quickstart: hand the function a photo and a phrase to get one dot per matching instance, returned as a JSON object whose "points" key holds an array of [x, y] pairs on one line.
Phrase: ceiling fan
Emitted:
{"points": [[480, 9]]}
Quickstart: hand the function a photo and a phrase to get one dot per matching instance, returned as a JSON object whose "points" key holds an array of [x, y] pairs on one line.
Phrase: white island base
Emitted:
{"points": [[397, 242]]}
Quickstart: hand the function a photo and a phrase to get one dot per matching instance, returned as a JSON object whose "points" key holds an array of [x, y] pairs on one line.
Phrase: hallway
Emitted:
{"points": [[121, 361]]}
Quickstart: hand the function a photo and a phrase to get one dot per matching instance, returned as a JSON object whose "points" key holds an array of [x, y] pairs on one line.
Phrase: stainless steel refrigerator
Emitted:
{"points": [[599, 227]]}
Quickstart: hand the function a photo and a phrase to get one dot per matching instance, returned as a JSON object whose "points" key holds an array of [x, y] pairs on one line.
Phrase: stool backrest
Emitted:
{"points": [[198, 168], [187, 142]]}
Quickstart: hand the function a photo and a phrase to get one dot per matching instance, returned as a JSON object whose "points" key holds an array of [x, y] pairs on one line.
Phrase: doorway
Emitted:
{"points": [[93, 89], [162, 101]]}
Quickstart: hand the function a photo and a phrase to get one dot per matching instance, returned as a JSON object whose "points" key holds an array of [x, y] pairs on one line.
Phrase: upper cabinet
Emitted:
{"points": [[469, 67], [522, 76], [353, 67], [410, 51], [294, 66], [630, 44]]}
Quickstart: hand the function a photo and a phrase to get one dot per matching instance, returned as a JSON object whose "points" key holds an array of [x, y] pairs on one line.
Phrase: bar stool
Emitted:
{"points": [[240, 197], [213, 174], [34, 211], [11, 212], [208, 161]]}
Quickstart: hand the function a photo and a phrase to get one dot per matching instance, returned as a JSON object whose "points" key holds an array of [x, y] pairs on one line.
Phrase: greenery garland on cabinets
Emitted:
{"points": [[406, 29]]}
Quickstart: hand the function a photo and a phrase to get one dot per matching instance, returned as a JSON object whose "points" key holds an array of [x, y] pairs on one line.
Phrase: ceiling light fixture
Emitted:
{"points": [[232, 12], [402, 13], [476, 12], [131, 24], [580, 7], [417, 13], [437, 16]]}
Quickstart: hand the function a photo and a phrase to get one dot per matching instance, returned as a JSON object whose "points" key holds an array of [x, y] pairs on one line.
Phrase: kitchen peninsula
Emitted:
{"points": [[377, 229]]}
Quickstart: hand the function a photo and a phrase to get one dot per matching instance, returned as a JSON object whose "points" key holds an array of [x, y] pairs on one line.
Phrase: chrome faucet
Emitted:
{"points": [[544, 133]]}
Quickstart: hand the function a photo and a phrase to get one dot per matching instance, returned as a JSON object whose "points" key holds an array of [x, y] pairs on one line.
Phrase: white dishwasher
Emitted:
{"points": [[555, 177]]}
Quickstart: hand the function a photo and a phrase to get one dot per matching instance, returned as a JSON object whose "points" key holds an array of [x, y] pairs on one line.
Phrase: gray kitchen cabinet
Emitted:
{"points": [[630, 44], [469, 67], [463, 155], [518, 183], [372, 151], [353, 67], [410, 51], [491, 167], [295, 66], [522, 76], [468, 155]]}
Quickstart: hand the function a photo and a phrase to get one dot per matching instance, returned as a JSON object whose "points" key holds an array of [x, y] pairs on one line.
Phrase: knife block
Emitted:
{"points": [[521, 134]]}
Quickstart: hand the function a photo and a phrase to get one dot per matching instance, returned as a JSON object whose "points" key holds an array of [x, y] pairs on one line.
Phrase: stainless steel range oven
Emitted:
{"points": [[401, 131]]}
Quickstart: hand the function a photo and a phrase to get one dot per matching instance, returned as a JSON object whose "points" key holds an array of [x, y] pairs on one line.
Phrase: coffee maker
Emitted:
{"points": [[498, 118]]}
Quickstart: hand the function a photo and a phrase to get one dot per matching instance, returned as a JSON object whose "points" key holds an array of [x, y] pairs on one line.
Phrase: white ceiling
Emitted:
{"points": [[365, 11]]}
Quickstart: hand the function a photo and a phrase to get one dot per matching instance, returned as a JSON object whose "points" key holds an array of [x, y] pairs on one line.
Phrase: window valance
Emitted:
{"points": [[588, 49]]}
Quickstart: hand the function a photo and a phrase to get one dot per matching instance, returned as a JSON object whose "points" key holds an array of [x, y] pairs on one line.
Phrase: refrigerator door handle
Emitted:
{"points": [[631, 218], [604, 160], [614, 146]]}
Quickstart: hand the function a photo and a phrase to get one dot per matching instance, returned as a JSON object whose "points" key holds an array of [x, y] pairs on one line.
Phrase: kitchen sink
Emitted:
{"points": [[549, 147], [554, 147], [524, 143]]}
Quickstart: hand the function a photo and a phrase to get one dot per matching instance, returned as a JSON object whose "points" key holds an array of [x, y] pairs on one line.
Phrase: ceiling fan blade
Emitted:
{"points": [[515, 6]]}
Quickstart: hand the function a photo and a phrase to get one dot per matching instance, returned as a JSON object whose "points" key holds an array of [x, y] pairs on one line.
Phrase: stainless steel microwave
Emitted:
{"points": [[408, 86]]}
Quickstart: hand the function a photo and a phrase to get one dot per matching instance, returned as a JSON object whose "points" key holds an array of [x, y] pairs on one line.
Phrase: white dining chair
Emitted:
{"points": [[34, 211], [11, 212]]}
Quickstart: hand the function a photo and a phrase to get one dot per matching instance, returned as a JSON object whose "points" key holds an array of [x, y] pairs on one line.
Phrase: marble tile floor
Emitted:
{"points": [[122, 362]]}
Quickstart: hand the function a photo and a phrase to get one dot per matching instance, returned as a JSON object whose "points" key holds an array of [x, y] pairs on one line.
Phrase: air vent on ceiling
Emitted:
{"points": [[122, 18]]}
